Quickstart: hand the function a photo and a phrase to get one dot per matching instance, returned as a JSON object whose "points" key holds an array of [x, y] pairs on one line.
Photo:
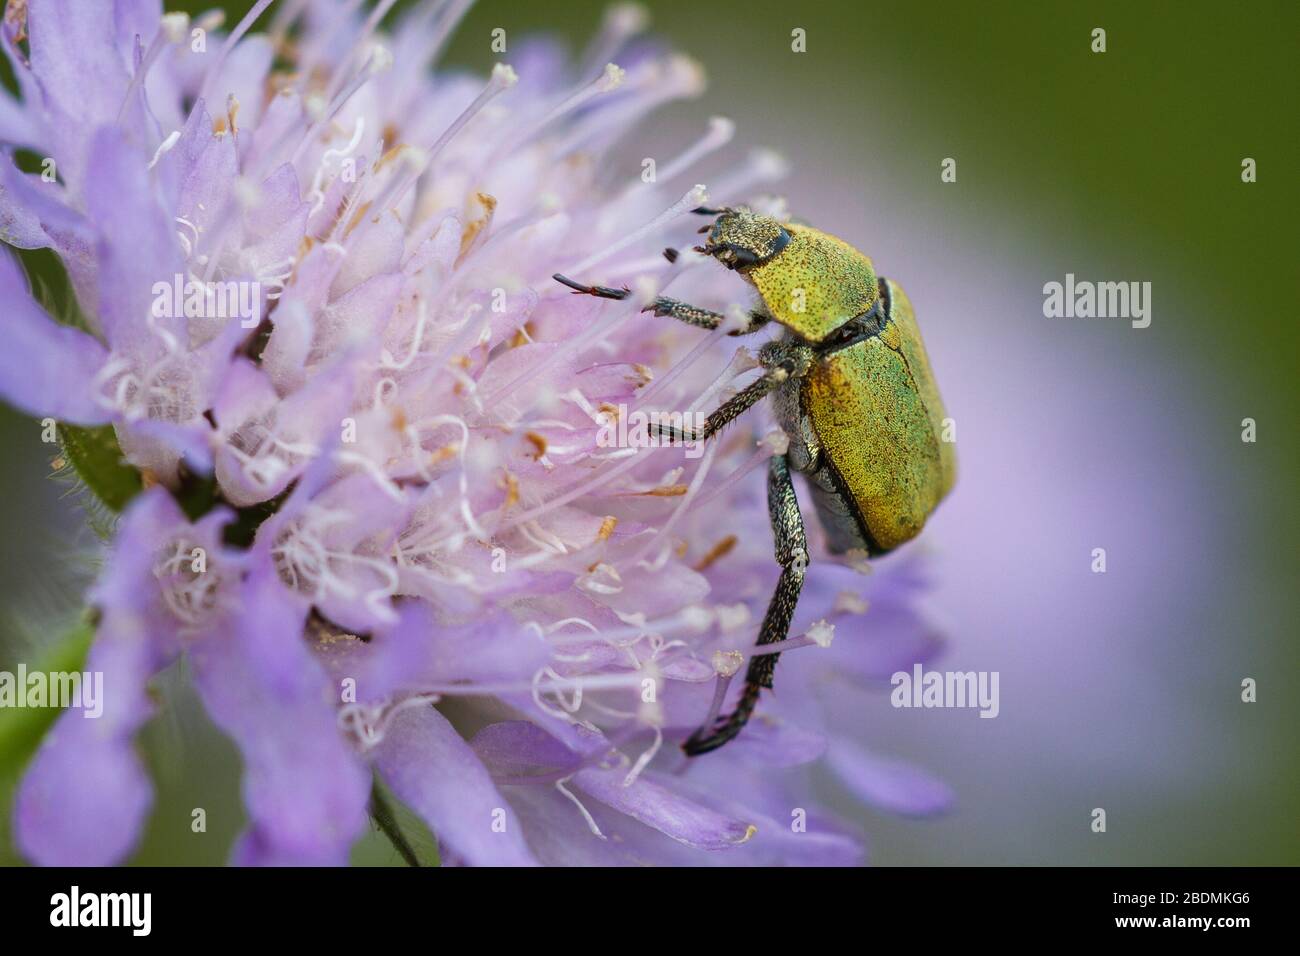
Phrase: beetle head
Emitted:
{"points": [[741, 239]]}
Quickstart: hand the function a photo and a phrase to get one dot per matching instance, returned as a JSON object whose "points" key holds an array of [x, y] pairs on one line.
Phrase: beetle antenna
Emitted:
{"points": [[709, 211], [671, 254], [600, 291]]}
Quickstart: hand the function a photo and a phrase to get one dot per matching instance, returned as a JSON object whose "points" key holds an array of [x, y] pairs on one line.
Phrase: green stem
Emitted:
{"points": [[21, 728], [386, 820]]}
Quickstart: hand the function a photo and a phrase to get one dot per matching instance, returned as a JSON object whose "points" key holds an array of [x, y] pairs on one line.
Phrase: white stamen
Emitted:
{"points": [[727, 663], [573, 493], [191, 596], [567, 707], [235, 36], [463, 482], [212, 20], [373, 470], [720, 133], [643, 761], [503, 78], [622, 21], [172, 29], [380, 60], [849, 602], [448, 16], [367, 30], [305, 563], [185, 222], [386, 359], [723, 487], [165, 146], [175, 26], [659, 385], [821, 633], [322, 168], [719, 698], [732, 617], [691, 491], [607, 82], [763, 165], [586, 815], [698, 619], [283, 21], [695, 196]]}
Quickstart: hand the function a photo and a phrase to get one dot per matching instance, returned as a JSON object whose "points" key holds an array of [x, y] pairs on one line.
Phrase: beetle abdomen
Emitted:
{"points": [[879, 420]]}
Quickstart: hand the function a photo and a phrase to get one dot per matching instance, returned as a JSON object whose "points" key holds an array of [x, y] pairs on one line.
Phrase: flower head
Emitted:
{"points": [[322, 290]]}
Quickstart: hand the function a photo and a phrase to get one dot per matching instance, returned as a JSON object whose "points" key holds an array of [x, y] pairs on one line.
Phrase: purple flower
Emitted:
{"points": [[328, 291]]}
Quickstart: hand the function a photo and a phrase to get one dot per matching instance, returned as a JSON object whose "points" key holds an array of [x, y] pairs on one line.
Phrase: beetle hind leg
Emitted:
{"points": [[724, 414], [792, 554], [780, 364]]}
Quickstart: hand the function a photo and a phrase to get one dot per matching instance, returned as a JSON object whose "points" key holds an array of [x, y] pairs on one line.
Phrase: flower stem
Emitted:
{"points": [[382, 812]]}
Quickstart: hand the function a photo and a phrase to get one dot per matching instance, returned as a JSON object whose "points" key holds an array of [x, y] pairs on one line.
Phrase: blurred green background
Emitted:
{"points": [[1122, 165]]}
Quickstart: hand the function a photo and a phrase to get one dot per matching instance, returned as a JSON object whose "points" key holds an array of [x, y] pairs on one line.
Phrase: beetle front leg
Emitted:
{"points": [[704, 318], [792, 554], [599, 291], [670, 308]]}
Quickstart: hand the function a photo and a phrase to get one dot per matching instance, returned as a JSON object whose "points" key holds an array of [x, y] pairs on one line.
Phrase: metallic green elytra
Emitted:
{"points": [[853, 390]]}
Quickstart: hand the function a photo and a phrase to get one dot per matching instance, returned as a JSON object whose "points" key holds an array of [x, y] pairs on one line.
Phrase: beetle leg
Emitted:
{"points": [[781, 361], [792, 554], [600, 291], [684, 312], [727, 412], [704, 318], [672, 308]]}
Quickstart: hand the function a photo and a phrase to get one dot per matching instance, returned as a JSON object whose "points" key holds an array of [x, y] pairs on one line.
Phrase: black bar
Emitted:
{"points": [[369, 905]]}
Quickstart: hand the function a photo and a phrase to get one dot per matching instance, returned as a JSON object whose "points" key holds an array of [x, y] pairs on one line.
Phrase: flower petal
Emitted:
{"points": [[19, 224], [893, 636], [515, 748], [85, 796], [17, 127], [138, 246], [772, 742], [668, 812], [81, 74], [304, 788], [46, 368], [418, 652], [888, 784], [34, 215], [436, 773]]}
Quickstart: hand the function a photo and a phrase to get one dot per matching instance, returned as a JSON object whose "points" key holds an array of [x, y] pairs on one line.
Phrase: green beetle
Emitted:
{"points": [[853, 391]]}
